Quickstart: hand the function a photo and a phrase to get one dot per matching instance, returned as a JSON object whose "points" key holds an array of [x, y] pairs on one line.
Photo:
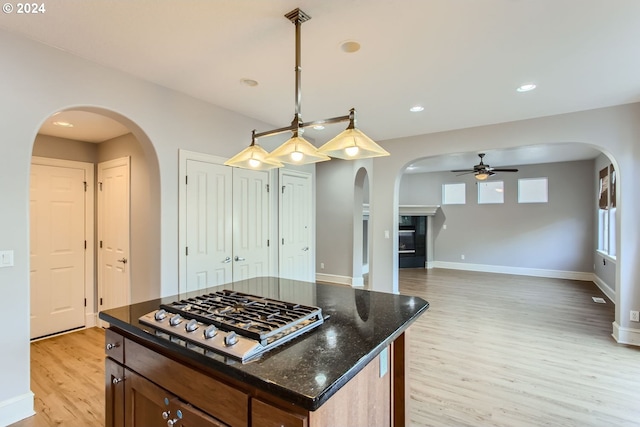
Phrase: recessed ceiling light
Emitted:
{"points": [[416, 108], [526, 87], [63, 124], [249, 82], [350, 46]]}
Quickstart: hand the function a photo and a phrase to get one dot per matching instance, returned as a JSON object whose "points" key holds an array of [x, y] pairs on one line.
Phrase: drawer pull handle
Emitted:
{"points": [[171, 423], [111, 346]]}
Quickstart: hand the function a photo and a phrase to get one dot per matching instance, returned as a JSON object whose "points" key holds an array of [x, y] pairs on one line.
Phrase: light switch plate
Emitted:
{"points": [[6, 259]]}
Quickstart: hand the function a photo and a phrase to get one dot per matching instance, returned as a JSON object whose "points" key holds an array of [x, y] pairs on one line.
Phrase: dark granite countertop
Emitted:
{"points": [[311, 368]]}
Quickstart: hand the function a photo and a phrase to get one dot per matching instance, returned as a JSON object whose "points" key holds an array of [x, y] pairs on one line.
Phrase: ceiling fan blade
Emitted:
{"points": [[463, 170], [504, 170]]}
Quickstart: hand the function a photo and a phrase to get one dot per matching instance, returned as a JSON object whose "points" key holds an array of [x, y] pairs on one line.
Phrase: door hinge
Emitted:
{"points": [[267, 187], [283, 240], [186, 250], [85, 244], [85, 185], [283, 187], [100, 300], [267, 242], [100, 186], [100, 244], [85, 302], [186, 180]]}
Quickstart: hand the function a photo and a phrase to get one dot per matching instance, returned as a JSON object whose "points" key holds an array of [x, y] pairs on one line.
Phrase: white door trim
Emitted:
{"points": [[91, 316]]}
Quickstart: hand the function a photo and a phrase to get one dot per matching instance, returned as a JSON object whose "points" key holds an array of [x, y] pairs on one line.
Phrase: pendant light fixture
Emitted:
{"points": [[351, 144]]}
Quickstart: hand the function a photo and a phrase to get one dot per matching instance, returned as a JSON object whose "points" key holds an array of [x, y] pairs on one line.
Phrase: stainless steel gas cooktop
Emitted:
{"points": [[235, 324]]}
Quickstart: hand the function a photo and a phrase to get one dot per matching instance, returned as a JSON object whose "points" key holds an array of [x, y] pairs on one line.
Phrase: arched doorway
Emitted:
{"points": [[573, 236], [91, 137]]}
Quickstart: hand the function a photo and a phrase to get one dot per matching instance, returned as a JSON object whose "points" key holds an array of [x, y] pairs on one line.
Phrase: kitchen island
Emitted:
{"points": [[350, 370]]}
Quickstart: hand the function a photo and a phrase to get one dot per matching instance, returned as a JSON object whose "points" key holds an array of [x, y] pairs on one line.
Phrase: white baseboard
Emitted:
{"points": [[15, 409], [626, 335], [342, 280], [520, 271], [429, 265], [606, 289], [90, 320]]}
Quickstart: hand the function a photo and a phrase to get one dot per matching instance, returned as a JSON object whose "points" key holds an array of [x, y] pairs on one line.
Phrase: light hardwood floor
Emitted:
{"points": [[67, 378], [492, 350], [502, 350]]}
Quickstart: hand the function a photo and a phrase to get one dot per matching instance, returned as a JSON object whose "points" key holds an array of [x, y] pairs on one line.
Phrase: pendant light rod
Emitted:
{"points": [[293, 126], [297, 17]]}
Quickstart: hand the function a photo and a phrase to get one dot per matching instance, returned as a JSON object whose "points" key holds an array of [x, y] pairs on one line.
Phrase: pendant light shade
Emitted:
{"points": [[297, 151], [253, 157], [352, 144]]}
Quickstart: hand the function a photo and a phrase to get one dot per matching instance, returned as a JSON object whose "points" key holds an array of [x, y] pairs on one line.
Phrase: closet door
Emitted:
{"points": [[296, 224], [57, 248], [250, 224], [209, 225]]}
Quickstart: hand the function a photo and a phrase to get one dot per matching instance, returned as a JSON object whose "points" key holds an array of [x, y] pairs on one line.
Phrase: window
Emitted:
{"points": [[533, 190], [453, 194], [607, 211], [490, 192]]}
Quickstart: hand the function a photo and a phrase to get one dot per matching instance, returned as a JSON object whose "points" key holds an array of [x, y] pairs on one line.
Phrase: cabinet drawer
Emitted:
{"points": [[210, 395], [266, 415], [114, 345]]}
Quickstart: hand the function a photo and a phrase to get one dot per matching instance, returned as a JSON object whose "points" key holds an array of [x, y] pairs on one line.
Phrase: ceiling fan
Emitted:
{"points": [[482, 171]]}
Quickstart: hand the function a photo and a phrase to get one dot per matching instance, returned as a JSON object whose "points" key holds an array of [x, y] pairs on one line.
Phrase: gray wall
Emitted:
{"points": [[557, 235], [65, 149]]}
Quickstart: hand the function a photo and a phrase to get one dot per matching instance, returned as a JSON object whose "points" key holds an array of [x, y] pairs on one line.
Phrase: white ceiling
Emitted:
{"points": [[461, 59]]}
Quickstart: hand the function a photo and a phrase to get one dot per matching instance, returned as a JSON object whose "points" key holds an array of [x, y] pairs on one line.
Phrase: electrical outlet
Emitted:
{"points": [[461, 256], [634, 316], [322, 265]]}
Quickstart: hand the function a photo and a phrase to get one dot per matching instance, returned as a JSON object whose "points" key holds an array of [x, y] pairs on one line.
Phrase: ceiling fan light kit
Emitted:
{"points": [[350, 144], [482, 171]]}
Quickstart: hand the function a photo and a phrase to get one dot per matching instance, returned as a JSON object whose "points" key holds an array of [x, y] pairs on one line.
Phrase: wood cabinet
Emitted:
{"points": [[147, 388], [146, 404]]}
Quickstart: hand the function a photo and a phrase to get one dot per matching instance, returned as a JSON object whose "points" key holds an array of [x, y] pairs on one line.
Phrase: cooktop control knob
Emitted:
{"points": [[160, 314], [210, 332], [191, 326], [175, 320], [231, 339]]}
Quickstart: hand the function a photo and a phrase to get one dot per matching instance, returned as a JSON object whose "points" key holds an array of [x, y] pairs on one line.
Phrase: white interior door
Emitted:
{"points": [[208, 225], [57, 245], [113, 233], [250, 224], [296, 220]]}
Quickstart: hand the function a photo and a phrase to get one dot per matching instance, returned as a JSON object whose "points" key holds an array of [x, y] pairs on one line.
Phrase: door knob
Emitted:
{"points": [[123, 260], [227, 260], [237, 258], [306, 248]]}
